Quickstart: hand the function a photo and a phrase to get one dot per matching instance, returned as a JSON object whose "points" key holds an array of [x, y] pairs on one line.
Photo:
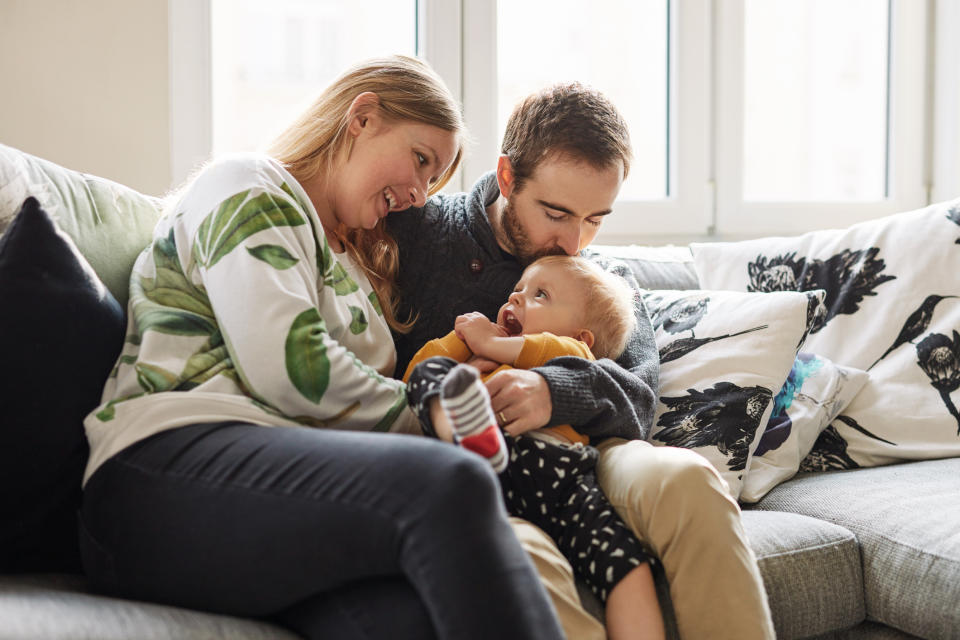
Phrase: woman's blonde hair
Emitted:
{"points": [[608, 303], [407, 89]]}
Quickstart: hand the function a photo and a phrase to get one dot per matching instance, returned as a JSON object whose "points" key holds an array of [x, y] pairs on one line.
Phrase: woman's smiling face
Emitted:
{"points": [[390, 166], [545, 299]]}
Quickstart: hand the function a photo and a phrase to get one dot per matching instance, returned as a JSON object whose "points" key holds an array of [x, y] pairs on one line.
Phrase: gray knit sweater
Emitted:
{"points": [[450, 264]]}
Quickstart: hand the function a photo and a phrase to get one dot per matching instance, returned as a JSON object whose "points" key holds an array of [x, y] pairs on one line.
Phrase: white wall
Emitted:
{"points": [[85, 83]]}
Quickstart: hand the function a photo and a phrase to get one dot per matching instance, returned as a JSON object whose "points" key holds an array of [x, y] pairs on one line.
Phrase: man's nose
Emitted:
{"points": [[569, 241]]}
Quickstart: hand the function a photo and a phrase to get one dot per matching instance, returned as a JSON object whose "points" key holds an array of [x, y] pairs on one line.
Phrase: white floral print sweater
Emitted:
{"points": [[240, 311]]}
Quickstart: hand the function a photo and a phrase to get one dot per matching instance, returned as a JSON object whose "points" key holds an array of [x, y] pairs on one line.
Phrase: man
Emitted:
{"points": [[565, 154]]}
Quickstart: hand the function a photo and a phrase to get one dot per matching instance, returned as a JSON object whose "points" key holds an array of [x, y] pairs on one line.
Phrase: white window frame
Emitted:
{"points": [[688, 209], [191, 93], [945, 133], [736, 217], [459, 39]]}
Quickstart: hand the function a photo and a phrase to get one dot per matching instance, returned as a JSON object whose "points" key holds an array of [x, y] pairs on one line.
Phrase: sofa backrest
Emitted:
{"points": [[110, 223], [663, 267]]}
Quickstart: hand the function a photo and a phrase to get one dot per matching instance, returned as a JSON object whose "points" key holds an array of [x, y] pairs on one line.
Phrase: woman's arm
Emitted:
{"points": [[292, 319]]}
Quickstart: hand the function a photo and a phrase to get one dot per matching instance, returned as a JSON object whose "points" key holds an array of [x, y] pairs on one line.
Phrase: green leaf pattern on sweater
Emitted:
{"points": [[375, 301], [358, 322], [341, 281], [306, 355], [169, 306], [170, 303], [238, 218], [274, 255]]}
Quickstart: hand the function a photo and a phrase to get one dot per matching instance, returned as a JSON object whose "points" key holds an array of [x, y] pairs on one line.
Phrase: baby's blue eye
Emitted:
{"points": [[541, 293], [421, 159]]}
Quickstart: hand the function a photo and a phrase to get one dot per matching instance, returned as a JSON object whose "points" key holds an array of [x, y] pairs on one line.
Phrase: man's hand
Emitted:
{"points": [[521, 400]]}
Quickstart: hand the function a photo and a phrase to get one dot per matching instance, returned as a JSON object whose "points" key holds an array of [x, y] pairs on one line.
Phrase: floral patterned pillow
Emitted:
{"points": [[723, 356], [892, 308], [815, 392]]}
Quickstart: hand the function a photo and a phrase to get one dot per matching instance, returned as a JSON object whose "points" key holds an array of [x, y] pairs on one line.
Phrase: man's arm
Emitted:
{"points": [[604, 398]]}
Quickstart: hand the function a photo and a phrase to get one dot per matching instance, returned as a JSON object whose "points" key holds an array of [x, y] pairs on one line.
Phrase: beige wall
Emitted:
{"points": [[85, 84]]}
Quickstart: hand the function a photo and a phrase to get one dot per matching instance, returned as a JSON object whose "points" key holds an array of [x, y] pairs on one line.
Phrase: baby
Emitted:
{"points": [[562, 306]]}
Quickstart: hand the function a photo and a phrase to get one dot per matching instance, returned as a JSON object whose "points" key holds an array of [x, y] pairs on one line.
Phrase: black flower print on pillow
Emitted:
{"points": [[680, 315], [683, 346], [847, 277], [829, 453], [856, 426], [939, 357], [816, 314], [953, 215], [916, 323], [725, 416]]}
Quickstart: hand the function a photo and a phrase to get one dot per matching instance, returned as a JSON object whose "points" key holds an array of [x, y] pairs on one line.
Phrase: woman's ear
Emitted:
{"points": [[586, 337], [505, 177], [363, 113]]}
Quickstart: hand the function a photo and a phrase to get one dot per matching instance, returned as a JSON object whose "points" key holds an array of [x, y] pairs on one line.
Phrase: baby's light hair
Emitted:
{"points": [[608, 303]]}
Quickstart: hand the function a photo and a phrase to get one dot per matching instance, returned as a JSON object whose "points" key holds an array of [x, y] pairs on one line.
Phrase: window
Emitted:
{"points": [[815, 100], [820, 113], [536, 48], [270, 59], [748, 117]]}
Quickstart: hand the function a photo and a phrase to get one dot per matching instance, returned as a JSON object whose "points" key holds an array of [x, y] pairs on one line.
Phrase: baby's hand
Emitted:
{"points": [[477, 331]]}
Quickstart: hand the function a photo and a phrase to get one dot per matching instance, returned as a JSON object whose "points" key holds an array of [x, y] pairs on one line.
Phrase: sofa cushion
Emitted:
{"points": [[892, 309], [110, 223], [60, 332], [867, 630], [723, 356], [60, 607], [907, 520], [811, 571]]}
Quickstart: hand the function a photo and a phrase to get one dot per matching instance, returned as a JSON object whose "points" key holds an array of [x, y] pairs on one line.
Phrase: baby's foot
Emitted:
{"points": [[466, 402]]}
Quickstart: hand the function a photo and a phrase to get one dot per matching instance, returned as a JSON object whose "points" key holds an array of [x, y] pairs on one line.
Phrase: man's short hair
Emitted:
{"points": [[569, 119], [608, 303]]}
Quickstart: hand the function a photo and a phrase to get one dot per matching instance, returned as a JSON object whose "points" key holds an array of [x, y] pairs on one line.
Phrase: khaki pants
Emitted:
{"points": [[678, 505], [557, 576]]}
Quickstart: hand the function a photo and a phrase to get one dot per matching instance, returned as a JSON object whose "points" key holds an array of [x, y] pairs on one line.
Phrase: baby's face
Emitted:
{"points": [[545, 299]]}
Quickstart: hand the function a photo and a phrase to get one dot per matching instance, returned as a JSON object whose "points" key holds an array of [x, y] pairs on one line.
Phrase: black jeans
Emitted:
{"points": [[333, 533]]}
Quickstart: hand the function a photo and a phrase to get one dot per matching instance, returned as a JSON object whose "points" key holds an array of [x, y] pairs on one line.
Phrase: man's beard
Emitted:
{"points": [[517, 240]]}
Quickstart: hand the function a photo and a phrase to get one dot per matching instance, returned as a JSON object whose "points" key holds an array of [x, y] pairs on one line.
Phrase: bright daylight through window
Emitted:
{"points": [[747, 117], [301, 46]]}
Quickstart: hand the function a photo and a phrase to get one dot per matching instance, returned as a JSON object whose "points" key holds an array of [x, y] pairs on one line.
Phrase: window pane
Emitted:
{"points": [[617, 46], [272, 57], [815, 89]]}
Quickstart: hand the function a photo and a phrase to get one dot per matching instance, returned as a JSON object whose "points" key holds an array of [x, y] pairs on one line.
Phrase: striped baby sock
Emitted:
{"points": [[466, 402]]}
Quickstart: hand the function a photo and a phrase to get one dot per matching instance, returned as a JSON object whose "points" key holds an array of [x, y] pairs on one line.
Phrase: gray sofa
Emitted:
{"points": [[868, 553]]}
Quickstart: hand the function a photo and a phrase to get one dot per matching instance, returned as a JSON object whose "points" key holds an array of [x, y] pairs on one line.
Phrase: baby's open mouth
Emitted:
{"points": [[511, 324]]}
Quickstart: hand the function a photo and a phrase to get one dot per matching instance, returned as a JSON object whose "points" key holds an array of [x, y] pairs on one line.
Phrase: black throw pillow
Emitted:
{"points": [[60, 332]]}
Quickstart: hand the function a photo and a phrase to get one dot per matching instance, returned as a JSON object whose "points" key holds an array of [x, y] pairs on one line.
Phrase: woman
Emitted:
{"points": [[231, 465]]}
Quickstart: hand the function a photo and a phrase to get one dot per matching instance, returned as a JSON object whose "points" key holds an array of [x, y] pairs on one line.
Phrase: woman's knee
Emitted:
{"points": [[462, 484]]}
